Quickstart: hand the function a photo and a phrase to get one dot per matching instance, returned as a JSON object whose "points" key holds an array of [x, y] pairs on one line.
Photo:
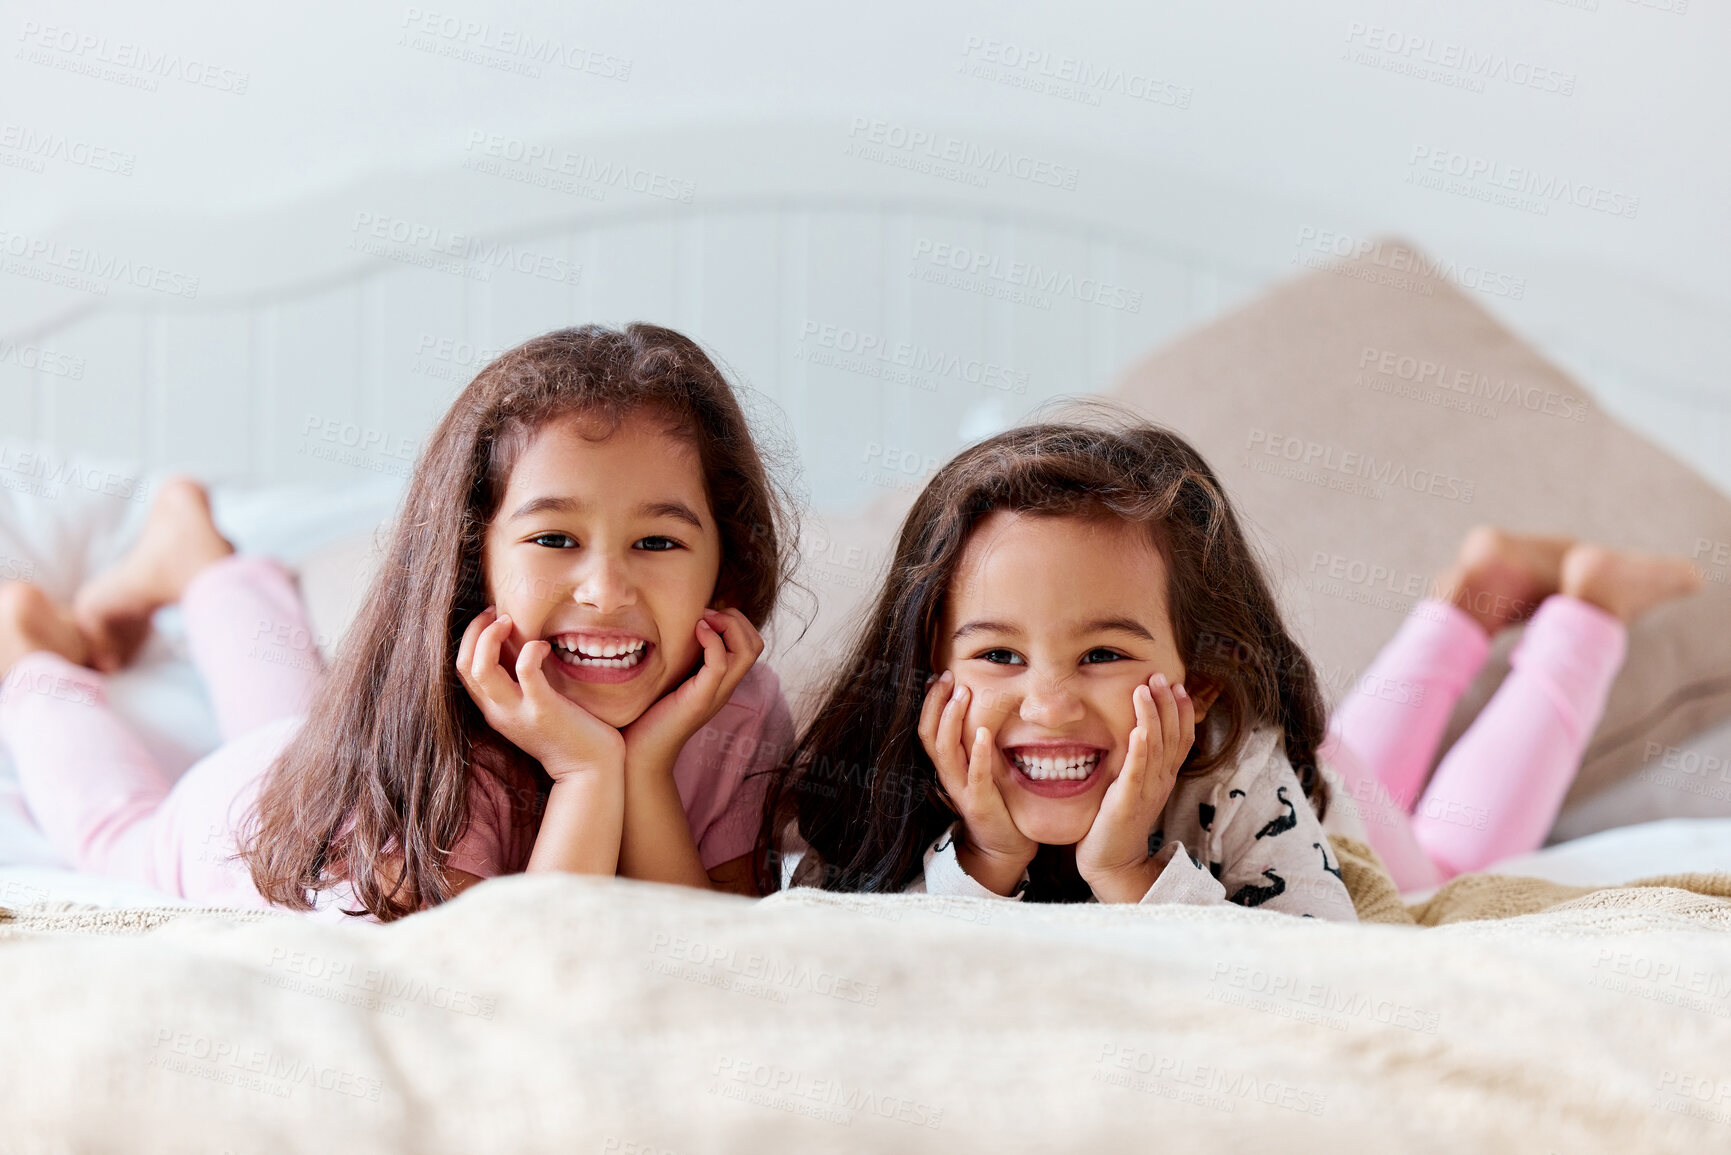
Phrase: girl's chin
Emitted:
{"points": [[1053, 829], [618, 706]]}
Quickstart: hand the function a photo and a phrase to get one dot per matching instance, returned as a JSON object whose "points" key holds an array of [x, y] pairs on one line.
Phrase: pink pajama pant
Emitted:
{"points": [[103, 801], [1497, 791]]}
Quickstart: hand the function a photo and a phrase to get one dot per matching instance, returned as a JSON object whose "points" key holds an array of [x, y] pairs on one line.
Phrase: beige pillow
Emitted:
{"points": [[1365, 421]]}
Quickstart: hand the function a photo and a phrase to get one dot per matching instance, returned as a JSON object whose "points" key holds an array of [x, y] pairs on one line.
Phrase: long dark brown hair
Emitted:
{"points": [[377, 780], [860, 790]]}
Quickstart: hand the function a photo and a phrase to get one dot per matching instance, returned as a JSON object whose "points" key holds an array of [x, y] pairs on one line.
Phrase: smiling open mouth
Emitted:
{"points": [[601, 655], [1054, 771], [1049, 768], [599, 658]]}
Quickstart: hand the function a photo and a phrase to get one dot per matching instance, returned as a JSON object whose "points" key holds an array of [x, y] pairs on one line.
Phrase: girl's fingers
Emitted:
{"points": [[744, 646], [1134, 775], [715, 654], [985, 800], [485, 668], [488, 642], [1142, 736], [947, 747], [718, 674], [980, 760], [937, 697], [530, 676], [949, 738], [736, 629], [1168, 707], [1186, 719], [1147, 713], [471, 635]]}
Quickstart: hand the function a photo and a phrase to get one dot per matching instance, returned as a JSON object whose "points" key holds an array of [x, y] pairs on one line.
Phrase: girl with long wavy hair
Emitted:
{"points": [[554, 669]]}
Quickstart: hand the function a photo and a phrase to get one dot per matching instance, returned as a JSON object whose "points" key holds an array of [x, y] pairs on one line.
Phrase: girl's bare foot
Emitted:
{"points": [[1626, 584], [179, 540], [31, 621], [1499, 578]]}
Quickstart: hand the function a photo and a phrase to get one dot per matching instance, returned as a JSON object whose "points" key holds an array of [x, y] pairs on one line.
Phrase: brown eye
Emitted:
{"points": [[1002, 658], [656, 544], [1099, 655], [555, 540]]}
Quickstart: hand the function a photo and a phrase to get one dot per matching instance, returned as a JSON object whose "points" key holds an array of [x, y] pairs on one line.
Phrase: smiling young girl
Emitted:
{"points": [[1077, 741], [1118, 712], [553, 669]]}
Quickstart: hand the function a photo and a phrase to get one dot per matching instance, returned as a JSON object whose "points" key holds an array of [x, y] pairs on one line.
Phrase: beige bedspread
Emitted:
{"points": [[541, 1013]]}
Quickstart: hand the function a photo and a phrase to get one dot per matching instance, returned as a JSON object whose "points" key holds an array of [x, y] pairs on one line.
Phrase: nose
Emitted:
{"points": [[1051, 702], [604, 584]]}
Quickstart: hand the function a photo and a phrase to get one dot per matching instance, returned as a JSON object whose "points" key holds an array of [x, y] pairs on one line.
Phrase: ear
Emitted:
{"points": [[1203, 692]]}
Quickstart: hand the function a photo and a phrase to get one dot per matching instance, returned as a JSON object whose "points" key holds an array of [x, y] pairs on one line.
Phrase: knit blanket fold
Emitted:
{"points": [[557, 1013]]}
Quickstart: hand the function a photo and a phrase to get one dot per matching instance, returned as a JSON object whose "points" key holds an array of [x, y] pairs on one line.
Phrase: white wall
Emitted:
{"points": [[1274, 100]]}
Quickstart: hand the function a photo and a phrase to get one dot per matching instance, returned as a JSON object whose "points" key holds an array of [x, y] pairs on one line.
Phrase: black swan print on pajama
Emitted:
{"points": [[1285, 822], [1250, 895]]}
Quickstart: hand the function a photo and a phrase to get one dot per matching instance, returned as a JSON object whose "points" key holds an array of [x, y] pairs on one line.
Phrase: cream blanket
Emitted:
{"points": [[560, 1014]]}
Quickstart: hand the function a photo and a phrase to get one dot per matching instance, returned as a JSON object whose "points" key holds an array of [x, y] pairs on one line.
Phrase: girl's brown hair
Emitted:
{"points": [[376, 782], [859, 788]]}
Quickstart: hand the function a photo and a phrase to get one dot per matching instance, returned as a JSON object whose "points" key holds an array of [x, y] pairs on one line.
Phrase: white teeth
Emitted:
{"points": [[1069, 768], [611, 655]]}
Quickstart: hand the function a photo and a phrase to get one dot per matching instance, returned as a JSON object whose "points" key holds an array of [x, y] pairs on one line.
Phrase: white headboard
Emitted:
{"points": [[892, 288]]}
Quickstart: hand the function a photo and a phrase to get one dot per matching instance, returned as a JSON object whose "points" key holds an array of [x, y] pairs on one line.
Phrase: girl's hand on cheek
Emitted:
{"points": [[731, 646], [1113, 856], [992, 850], [549, 727]]}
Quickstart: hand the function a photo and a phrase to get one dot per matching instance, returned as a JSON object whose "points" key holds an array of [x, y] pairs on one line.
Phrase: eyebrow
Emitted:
{"points": [[650, 509], [1099, 625]]}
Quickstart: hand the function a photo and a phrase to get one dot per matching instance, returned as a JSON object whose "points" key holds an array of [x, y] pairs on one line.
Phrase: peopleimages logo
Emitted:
{"points": [[502, 46], [443, 250], [1367, 468], [974, 267], [1394, 262], [1447, 62], [1473, 385], [909, 146], [491, 151], [903, 362], [86, 269], [123, 61], [36, 146], [1486, 177], [1062, 75]]}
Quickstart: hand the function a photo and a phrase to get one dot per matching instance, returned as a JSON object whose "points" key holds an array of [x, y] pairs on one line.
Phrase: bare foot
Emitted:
{"points": [[179, 540], [1626, 584], [1499, 578], [31, 621]]}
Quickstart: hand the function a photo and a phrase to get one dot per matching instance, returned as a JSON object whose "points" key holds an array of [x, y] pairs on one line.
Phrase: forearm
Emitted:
{"points": [[997, 873], [582, 825], [1129, 885], [656, 843]]}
